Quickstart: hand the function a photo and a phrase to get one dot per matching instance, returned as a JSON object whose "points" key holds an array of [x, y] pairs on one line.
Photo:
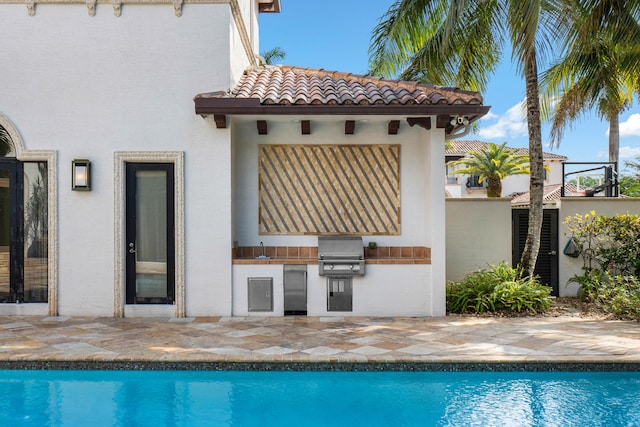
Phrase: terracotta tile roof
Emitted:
{"points": [[286, 90], [463, 147], [295, 85], [552, 193]]}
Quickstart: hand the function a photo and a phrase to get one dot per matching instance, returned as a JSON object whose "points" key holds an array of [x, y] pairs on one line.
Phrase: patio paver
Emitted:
{"points": [[451, 339]]}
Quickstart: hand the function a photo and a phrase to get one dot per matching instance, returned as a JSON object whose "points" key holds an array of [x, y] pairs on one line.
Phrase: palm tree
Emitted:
{"points": [[460, 42], [272, 55], [494, 163], [598, 69]]}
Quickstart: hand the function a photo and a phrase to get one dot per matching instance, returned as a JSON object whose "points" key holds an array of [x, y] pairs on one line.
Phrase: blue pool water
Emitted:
{"points": [[355, 399]]}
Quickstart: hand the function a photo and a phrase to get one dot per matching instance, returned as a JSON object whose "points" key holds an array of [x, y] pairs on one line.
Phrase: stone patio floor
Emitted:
{"points": [[71, 341]]}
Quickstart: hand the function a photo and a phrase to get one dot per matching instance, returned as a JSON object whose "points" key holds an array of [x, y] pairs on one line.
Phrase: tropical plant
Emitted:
{"points": [[5, 142], [609, 244], [616, 294], [460, 42], [586, 181], [599, 67], [610, 249], [499, 288], [495, 163], [629, 183], [634, 164], [272, 55]]}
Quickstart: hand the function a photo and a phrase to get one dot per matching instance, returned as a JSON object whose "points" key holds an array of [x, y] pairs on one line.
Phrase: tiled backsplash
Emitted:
{"points": [[303, 252], [311, 252]]}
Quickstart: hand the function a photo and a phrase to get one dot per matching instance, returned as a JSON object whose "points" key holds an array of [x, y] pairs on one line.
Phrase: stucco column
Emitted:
{"points": [[437, 219]]}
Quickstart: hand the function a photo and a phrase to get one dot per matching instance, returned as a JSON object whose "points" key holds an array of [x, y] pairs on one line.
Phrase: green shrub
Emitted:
{"points": [[610, 248], [619, 295], [608, 243], [499, 288]]}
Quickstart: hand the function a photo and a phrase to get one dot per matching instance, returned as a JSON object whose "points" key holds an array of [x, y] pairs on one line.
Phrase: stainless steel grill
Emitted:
{"points": [[340, 256]]}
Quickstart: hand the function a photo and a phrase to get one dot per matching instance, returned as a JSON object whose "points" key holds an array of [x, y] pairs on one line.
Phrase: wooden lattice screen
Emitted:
{"points": [[329, 189]]}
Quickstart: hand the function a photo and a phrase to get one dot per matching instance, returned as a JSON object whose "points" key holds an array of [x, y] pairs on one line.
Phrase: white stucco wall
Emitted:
{"points": [[570, 206], [89, 86], [414, 155], [478, 234]]}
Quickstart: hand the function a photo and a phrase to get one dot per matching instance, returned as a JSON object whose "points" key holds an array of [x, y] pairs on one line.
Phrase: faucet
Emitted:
{"points": [[262, 246]]}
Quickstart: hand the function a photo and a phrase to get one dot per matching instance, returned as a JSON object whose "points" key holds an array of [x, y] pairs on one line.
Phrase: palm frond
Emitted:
{"points": [[273, 55]]}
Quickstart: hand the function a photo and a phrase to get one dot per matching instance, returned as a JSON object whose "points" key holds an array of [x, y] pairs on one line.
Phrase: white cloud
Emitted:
{"points": [[488, 116], [631, 127], [629, 153], [513, 123], [625, 153]]}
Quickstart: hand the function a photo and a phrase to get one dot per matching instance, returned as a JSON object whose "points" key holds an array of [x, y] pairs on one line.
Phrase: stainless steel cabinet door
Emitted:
{"points": [[295, 289]]}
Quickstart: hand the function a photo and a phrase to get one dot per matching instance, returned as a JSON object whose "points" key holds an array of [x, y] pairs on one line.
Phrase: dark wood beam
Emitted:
{"points": [[262, 127], [305, 127], [221, 121], [443, 120], [394, 125], [423, 122], [269, 7], [349, 127]]}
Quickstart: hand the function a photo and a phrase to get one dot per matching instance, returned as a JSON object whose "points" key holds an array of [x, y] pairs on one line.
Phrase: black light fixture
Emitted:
{"points": [[81, 175]]}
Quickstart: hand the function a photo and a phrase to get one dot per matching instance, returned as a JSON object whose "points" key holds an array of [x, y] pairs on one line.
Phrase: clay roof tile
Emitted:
{"points": [[288, 84]]}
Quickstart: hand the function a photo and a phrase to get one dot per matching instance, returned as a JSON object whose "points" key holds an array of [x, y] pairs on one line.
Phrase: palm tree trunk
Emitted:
{"points": [[536, 182], [494, 188], [614, 138]]}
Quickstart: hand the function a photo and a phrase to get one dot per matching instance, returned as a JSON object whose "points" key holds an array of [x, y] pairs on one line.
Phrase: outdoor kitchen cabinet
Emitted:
{"points": [[260, 293], [340, 294], [295, 289]]}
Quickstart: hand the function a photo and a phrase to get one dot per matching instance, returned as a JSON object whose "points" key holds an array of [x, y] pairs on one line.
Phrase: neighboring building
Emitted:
{"points": [[552, 194], [177, 204], [460, 186]]}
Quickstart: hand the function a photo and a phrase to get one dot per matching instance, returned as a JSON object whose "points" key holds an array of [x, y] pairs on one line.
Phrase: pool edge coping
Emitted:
{"points": [[531, 366]]}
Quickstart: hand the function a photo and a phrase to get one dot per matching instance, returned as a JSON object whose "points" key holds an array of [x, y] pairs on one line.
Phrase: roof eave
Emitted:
{"points": [[251, 106], [269, 6]]}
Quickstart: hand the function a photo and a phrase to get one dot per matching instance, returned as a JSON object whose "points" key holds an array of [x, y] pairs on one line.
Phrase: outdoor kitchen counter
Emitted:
{"points": [[275, 261], [292, 255], [315, 261]]}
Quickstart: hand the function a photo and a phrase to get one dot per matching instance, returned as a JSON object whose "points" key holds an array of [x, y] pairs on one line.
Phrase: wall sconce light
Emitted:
{"points": [[81, 175]]}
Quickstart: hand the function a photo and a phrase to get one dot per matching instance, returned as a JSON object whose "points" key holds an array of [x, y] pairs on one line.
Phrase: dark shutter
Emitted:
{"points": [[547, 262]]}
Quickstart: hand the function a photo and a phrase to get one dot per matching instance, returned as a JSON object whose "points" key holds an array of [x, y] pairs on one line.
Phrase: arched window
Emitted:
{"points": [[23, 226]]}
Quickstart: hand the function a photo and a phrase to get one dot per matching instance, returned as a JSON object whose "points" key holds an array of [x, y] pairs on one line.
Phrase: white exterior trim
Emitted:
{"points": [[120, 159]]}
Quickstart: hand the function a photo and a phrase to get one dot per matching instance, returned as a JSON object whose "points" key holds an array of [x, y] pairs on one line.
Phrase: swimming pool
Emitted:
{"points": [[355, 399]]}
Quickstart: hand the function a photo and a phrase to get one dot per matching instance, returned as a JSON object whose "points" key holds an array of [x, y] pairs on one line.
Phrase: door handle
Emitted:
{"points": [[553, 253], [132, 248]]}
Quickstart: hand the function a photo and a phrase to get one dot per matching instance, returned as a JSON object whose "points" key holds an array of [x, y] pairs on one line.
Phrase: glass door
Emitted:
{"points": [[150, 233], [11, 236]]}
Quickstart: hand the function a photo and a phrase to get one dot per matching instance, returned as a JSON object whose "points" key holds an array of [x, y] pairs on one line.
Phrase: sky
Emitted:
{"points": [[335, 35]]}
